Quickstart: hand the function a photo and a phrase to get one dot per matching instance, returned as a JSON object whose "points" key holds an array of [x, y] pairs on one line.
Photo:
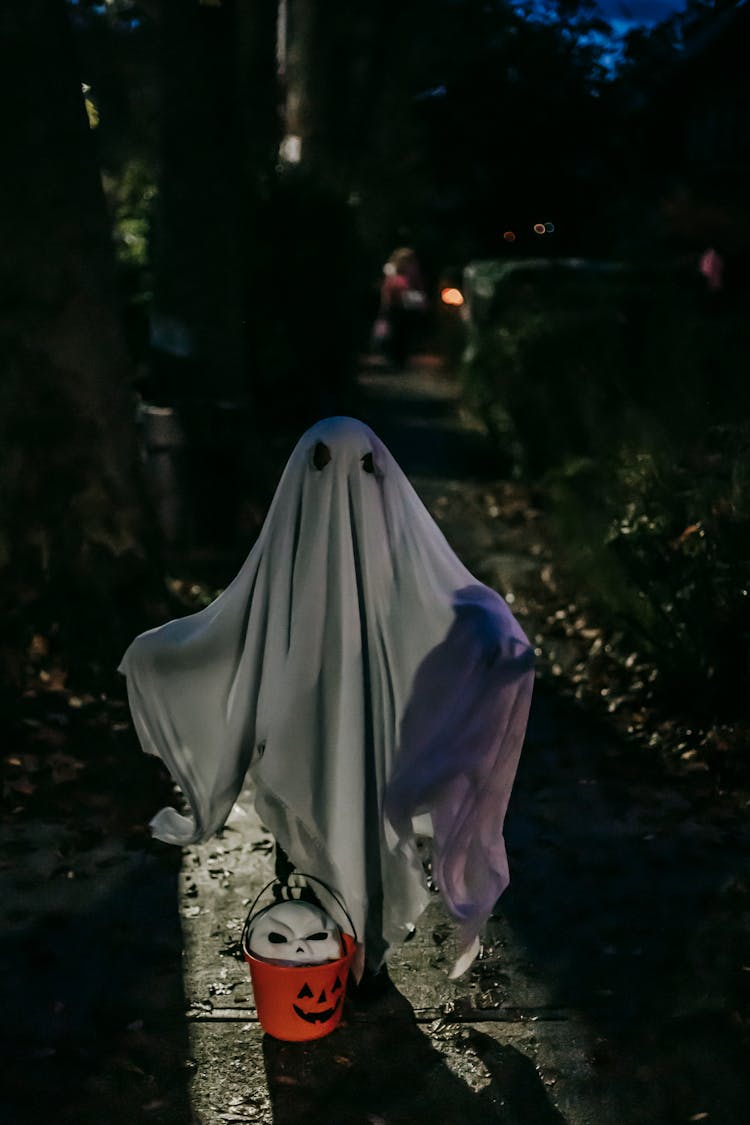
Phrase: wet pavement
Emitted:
{"points": [[614, 981]]}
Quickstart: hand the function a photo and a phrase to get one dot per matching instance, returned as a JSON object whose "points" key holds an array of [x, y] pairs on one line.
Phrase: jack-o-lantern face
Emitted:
{"points": [[320, 1008], [295, 933]]}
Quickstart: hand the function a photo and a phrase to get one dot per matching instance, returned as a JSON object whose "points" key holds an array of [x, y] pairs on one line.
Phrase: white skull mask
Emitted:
{"points": [[295, 933]]}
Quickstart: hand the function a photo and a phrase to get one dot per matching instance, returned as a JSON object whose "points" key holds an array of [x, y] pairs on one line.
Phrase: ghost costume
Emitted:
{"points": [[365, 678]]}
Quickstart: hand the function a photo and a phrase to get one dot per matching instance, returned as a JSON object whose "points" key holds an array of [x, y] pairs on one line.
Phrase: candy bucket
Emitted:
{"points": [[301, 1001]]}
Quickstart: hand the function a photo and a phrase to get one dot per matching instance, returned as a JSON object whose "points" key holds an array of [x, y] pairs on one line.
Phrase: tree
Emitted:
{"points": [[75, 543], [490, 119]]}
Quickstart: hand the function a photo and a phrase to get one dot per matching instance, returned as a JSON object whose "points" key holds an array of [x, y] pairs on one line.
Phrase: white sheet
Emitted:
{"points": [[365, 677]]}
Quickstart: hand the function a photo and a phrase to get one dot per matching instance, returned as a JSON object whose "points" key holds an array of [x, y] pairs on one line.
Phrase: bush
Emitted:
{"points": [[664, 553], [624, 397]]}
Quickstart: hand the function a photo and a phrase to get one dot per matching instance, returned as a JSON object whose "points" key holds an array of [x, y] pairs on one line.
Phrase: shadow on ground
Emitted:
{"points": [[93, 1027], [381, 1067], [93, 1007], [630, 900]]}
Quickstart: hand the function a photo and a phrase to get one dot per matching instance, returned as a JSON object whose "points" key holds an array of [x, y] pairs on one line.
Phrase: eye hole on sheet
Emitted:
{"points": [[367, 464], [321, 455], [276, 938], [317, 937]]}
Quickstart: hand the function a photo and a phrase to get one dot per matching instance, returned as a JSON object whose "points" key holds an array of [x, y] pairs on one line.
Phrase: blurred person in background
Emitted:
{"points": [[403, 302]]}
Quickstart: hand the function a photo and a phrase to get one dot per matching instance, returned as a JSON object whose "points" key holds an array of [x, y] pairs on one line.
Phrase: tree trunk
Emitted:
{"points": [[200, 241], [219, 139], [73, 530]]}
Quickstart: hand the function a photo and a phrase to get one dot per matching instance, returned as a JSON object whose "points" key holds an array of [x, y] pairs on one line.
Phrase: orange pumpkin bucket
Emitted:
{"points": [[301, 1001]]}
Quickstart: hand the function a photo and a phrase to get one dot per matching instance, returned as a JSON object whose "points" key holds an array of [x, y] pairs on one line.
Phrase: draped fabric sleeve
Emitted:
{"points": [[190, 691], [461, 738]]}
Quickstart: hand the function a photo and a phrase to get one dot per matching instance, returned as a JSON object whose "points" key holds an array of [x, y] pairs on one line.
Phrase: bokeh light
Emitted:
{"points": [[550, 228], [452, 297], [540, 228], [509, 236]]}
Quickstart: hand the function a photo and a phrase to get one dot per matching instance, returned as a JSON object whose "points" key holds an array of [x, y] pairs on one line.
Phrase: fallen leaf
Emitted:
{"points": [[131, 1068], [691, 529], [64, 767], [49, 736], [54, 680], [39, 645], [22, 785]]}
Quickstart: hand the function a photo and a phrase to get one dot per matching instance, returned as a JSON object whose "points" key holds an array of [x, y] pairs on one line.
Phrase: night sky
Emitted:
{"points": [[629, 13]]}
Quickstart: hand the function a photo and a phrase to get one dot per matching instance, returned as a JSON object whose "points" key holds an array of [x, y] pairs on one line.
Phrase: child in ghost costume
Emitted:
{"points": [[365, 678]]}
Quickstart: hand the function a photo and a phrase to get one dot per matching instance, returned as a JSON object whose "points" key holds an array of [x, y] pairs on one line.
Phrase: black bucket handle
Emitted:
{"points": [[289, 887]]}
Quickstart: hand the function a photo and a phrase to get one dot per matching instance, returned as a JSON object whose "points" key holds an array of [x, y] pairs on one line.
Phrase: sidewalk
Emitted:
{"points": [[598, 997]]}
